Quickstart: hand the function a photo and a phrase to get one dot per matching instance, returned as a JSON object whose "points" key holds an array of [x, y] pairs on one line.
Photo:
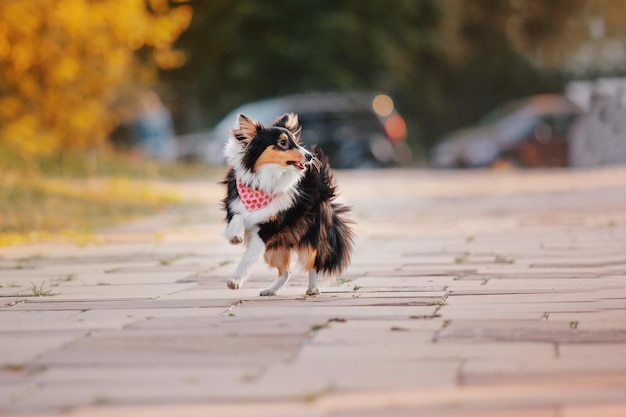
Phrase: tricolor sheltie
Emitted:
{"points": [[279, 201]]}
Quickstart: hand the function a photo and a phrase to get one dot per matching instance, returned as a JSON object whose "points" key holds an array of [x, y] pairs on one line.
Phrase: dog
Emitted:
{"points": [[280, 201]]}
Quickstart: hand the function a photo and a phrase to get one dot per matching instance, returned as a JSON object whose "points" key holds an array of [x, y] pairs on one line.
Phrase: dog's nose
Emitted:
{"points": [[308, 157]]}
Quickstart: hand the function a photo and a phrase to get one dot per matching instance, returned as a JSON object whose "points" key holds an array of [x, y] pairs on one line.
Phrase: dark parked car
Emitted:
{"points": [[355, 130], [531, 132]]}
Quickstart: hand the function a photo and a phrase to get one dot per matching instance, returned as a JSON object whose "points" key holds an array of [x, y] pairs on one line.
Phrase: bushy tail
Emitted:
{"points": [[334, 240], [336, 253]]}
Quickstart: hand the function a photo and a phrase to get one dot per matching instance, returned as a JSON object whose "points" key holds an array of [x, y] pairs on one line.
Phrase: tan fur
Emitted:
{"points": [[272, 155], [311, 260], [278, 258]]}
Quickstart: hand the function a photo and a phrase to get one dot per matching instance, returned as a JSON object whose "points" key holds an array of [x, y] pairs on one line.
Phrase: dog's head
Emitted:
{"points": [[270, 158]]}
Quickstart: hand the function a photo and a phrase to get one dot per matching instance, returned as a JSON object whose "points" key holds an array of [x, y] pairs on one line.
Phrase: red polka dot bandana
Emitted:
{"points": [[253, 199]]}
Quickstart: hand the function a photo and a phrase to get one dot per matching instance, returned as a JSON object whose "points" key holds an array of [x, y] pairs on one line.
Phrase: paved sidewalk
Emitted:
{"points": [[470, 294]]}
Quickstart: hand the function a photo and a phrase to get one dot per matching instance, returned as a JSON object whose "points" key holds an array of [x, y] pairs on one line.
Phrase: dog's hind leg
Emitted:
{"points": [[307, 259], [313, 283], [256, 246], [279, 259]]}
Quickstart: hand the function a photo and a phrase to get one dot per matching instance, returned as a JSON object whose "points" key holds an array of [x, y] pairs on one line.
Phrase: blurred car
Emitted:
{"points": [[530, 132], [355, 130]]}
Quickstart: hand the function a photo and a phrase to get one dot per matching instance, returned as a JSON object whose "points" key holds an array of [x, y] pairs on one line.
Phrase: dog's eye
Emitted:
{"points": [[283, 143]]}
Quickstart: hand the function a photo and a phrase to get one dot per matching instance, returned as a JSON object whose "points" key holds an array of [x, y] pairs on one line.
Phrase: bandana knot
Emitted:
{"points": [[253, 199]]}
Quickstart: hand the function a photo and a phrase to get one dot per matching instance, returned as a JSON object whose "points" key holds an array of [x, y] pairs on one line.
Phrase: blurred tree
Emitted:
{"points": [[536, 25], [446, 62], [66, 65], [552, 32], [244, 50], [485, 61]]}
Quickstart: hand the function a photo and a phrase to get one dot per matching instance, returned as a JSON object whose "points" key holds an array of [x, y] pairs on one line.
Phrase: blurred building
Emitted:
{"points": [[599, 136]]}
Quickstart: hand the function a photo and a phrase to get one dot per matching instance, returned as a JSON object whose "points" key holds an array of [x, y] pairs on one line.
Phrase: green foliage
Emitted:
{"points": [[240, 51], [446, 62]]}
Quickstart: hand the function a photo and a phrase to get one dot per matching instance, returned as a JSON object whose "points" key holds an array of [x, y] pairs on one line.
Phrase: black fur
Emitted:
{"points": [[231, 193]]}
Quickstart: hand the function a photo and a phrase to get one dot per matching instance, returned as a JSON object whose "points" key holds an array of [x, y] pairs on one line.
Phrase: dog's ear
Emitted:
{"points": [[247, 130], [290, 122]]}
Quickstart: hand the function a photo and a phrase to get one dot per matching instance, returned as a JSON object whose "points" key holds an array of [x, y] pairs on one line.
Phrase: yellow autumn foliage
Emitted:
{"points": [[68, 65]]}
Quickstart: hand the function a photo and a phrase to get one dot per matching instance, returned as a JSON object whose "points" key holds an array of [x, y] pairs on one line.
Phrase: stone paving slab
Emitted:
{"points": [[22, 347], [163, 305], [470, 294], [525, 399], [152, 348]]}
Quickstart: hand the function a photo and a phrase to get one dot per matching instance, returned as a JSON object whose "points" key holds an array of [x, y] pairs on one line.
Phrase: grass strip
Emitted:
{"points": [[71, 197]]}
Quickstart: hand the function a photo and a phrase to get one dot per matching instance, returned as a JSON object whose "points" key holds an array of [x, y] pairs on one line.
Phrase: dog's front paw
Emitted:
{"points": [[234, 284], [235, 230], [268, 292], [312, 292]]}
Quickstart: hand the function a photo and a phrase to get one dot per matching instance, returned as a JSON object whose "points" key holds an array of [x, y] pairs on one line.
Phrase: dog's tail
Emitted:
{"points": [[333, 240], [334, 252], [334, 255]]}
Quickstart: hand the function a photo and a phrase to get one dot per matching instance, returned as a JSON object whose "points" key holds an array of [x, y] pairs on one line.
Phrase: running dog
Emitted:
{"points": [[280, 201]]}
